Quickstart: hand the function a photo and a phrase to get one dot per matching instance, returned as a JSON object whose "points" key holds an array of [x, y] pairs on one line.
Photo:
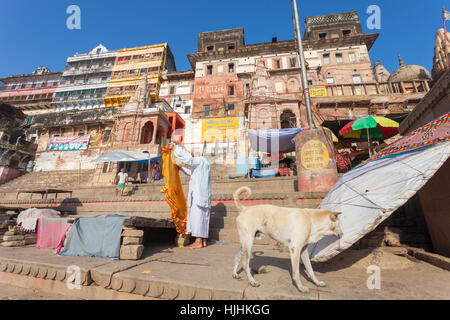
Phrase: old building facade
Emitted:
{"points": [[239, 86], [85, 80], [71, 140], [233, 87], [130, 67], [31, 93], [16, 151]]}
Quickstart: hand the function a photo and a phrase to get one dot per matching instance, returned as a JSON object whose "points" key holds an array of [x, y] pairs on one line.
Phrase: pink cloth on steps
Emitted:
{"points": [[50, 232]]}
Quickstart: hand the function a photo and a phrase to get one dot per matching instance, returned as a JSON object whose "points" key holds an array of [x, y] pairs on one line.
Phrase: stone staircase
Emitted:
{"points": [[68, 179], [147, 201]]}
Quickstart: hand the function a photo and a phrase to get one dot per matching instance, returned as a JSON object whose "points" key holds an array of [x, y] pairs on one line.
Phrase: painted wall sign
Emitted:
{"points": [[314, 155], [69, 143], [318, 92], [220, 129]]}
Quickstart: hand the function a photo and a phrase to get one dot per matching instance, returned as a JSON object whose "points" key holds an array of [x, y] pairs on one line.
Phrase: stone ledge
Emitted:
{"points": [[432, 258]]}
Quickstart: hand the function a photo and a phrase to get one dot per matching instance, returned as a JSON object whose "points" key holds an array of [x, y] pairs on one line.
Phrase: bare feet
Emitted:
{"points": [[198, 244], [195, 246]]}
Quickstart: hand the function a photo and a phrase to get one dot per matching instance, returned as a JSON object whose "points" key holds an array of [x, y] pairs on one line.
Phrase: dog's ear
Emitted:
{"points": [[334, 216]]}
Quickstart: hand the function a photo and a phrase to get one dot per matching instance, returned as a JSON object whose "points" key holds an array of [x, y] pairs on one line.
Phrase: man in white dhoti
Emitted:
{"points": [[199, 196]]}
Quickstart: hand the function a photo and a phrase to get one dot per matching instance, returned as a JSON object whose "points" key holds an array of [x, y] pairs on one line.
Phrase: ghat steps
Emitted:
{"points": [[145, 200]]}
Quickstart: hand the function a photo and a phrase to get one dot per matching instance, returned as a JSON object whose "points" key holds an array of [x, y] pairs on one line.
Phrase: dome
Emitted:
{"points": [[99, 49], [41, 70], [409, 72]]}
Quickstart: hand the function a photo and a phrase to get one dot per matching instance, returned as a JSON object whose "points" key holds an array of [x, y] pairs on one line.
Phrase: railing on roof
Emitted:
{"points": [[382, 88]]}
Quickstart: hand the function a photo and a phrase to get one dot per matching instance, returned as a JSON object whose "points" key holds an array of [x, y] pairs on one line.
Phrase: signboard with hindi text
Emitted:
{"points": [[70, 143], [318, 92], [314, 155], [220, 130]]}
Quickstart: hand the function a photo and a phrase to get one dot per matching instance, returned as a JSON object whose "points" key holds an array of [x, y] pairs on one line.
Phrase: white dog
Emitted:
{"points": [[293, 227]]}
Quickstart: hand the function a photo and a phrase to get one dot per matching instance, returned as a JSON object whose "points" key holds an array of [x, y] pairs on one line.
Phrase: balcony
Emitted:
{"points": [[83, 83], [136, 61], [134, 76], [121, 93], [376, 89], [81, 97], [78, 71]]}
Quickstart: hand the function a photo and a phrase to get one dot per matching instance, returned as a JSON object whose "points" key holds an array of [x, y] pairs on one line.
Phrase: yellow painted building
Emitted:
{"points": [[130, 67]]}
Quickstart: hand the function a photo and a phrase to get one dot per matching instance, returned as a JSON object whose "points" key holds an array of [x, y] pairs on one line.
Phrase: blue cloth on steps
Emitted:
{"points": [[95, 237]]}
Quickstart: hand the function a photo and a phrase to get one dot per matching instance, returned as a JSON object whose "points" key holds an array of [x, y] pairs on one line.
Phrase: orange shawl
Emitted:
{"points": [[174, 191]]}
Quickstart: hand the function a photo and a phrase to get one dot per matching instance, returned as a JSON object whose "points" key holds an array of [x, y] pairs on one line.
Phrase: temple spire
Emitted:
{"points": [[400, 61]]}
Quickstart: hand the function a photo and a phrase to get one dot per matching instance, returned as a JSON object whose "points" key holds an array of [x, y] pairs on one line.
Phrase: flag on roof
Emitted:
{"points": [[446, 14]]}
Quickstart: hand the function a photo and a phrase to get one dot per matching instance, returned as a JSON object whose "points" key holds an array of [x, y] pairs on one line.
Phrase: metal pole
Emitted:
{"points": [[444, 16], [303, 68]]}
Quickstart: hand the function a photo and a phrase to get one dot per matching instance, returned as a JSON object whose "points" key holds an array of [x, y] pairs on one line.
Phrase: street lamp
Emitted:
{"points": [[303, 69]]}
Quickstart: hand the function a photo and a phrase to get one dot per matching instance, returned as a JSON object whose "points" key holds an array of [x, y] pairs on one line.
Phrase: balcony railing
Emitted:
{"points": [[383, 88], [127, 92], [133, 76], [79, 97], [82, 83], [135, 61], [78, 71], [120, 93]]}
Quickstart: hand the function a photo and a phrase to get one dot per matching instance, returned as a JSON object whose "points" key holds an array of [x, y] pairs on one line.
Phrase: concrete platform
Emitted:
{"points": [[167, 272]]}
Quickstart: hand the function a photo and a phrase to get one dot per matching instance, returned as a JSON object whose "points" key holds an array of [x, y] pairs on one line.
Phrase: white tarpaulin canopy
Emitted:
{"points": [[368, 195], [125, 156]]}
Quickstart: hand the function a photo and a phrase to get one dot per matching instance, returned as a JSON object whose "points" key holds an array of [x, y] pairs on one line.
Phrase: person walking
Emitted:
{"points": [[156, 172], [199, 196], [123, 179]]}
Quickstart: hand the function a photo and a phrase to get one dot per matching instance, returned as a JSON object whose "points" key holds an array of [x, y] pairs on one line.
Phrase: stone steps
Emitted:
{"points": [[49, 179], [147, 201]]}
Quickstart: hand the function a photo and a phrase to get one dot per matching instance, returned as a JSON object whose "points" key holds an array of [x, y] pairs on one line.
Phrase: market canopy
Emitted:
{"points": [[127, 156], [266, 140]]}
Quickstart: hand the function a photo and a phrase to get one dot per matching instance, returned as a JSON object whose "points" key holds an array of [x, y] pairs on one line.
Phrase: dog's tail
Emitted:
{"points": [[237, 194]]}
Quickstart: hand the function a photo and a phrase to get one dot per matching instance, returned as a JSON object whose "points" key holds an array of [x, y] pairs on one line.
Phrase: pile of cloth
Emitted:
{"points": [[97, 236], [27, 219], [51, 232]]}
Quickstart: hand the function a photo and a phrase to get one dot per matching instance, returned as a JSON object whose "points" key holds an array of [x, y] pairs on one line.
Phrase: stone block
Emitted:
{"points": [[131, 252], [131, 240], [30, 238], [13, 238], [19, 243], [133, 233]]}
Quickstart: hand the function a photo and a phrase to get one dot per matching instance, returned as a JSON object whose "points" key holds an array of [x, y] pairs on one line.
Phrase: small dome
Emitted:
{"points": [[99, 49], [409, 72], [41, 70]]}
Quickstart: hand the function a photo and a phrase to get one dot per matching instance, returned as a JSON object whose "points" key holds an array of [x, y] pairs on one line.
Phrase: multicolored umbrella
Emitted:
{"points": [[370, 127]]}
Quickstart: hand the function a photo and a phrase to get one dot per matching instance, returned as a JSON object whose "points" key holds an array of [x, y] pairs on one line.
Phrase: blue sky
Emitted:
{"points": [[34, 32]]}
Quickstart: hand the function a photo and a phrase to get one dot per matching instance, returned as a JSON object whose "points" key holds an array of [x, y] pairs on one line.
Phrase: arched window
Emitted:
{"points": [[147, 133], [288, 120]]}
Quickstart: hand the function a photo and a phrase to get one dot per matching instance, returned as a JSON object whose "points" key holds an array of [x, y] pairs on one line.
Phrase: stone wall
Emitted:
{"points": [[67, 160]]}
